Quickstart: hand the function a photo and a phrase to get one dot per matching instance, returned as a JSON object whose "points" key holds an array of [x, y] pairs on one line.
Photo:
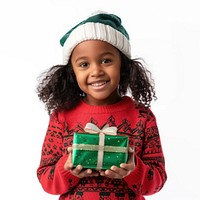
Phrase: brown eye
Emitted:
{"points": [[83, 65], [104, 61]]}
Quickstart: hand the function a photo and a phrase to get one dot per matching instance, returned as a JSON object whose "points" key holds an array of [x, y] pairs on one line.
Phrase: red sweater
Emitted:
{"points": [[138, 123]]}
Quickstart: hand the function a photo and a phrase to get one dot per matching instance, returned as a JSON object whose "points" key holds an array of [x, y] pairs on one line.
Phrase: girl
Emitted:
{"points": [[91, 86]]}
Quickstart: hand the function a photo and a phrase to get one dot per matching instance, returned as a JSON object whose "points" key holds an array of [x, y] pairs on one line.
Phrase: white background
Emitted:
{"points": [[165, 33]]}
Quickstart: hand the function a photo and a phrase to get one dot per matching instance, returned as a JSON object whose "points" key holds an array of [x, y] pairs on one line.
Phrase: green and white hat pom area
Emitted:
{"points": [[102, 26]]}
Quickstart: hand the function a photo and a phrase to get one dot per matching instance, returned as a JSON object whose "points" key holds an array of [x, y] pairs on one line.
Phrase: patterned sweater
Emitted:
{"points": [[137, 122]]}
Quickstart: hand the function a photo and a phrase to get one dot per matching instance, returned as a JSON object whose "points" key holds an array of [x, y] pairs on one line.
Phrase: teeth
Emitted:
{"points": [[98, 84]]}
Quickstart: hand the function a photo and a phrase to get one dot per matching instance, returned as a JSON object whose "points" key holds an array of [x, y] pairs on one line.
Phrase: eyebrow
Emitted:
{"points": [[80, 58]]}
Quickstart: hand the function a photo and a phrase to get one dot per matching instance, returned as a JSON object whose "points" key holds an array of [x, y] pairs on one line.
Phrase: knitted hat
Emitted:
{"points": [[103, 26]]}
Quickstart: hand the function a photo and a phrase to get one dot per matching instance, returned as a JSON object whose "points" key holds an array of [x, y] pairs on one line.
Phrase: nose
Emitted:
{"points": [[96, 70]]}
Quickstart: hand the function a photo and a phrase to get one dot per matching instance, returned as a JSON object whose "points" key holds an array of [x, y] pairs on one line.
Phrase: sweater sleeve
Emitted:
{"points": [[51, 173], [149, 176]]}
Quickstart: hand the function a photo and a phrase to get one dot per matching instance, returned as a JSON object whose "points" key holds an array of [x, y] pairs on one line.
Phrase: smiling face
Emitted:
{"points": [[96, 65]]}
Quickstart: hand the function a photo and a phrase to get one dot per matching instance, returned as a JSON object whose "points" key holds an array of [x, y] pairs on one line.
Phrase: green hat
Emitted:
{"points": [[103, 26]]}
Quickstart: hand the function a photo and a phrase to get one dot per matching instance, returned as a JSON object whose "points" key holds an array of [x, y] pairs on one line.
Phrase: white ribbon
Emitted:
{"points": [[92, 128]]}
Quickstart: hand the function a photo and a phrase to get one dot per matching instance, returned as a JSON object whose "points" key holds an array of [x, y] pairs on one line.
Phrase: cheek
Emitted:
{"points": [[116, 75], [78, 76], [81, 80]]}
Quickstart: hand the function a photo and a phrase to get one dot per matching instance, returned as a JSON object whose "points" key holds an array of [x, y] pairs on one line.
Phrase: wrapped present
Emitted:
{"points": [[99, 149]]}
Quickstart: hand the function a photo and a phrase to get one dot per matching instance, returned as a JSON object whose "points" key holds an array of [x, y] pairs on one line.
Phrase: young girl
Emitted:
{"points": [[91, 87]]}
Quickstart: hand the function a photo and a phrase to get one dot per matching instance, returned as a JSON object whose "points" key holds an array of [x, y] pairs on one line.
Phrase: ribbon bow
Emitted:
{"points": [[92, 128]]}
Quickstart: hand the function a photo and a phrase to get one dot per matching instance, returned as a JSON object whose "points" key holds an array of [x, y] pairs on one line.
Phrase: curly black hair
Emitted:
{"points": [[58, 88]]}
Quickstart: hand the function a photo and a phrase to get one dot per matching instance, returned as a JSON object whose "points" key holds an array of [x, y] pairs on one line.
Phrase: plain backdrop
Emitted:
{"points": [[166, 34]]}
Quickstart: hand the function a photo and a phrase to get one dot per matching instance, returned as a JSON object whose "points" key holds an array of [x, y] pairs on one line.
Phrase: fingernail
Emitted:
{"points": [[106, 172], [131, 149], [79, 167]]}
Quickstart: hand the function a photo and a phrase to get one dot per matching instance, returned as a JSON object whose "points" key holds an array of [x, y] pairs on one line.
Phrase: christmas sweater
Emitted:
{"points": [[137, 122]]}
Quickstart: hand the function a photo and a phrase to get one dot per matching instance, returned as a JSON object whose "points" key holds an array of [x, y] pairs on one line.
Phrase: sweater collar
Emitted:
{"points": [[121, 105]]}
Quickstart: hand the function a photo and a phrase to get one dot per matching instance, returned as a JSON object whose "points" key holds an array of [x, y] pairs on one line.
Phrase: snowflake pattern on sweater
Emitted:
{"points": [[137, 122]]}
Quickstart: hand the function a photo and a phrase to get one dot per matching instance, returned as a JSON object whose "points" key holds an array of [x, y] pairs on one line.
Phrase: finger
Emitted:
{"points": [[90, 173], [128, 167], [84, 173], [76, 171], [69, 149], [113, 174], [102, 173], [131, 157], [131, 149], [68, 164], [120, 171], [87, 173]]}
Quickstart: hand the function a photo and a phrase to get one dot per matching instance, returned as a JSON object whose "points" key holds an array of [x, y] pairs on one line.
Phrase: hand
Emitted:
{"points": [[124, 170], [78, 170]]}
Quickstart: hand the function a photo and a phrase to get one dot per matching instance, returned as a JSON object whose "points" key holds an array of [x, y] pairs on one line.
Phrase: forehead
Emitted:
{"points": [[94, 47]]}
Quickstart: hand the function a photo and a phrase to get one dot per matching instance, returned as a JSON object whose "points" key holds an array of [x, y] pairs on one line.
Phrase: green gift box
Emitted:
{"points": [[99, 151]]}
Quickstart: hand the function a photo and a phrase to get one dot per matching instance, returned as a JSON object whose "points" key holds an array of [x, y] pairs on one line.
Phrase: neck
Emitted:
{"points": [[97, 102]]}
